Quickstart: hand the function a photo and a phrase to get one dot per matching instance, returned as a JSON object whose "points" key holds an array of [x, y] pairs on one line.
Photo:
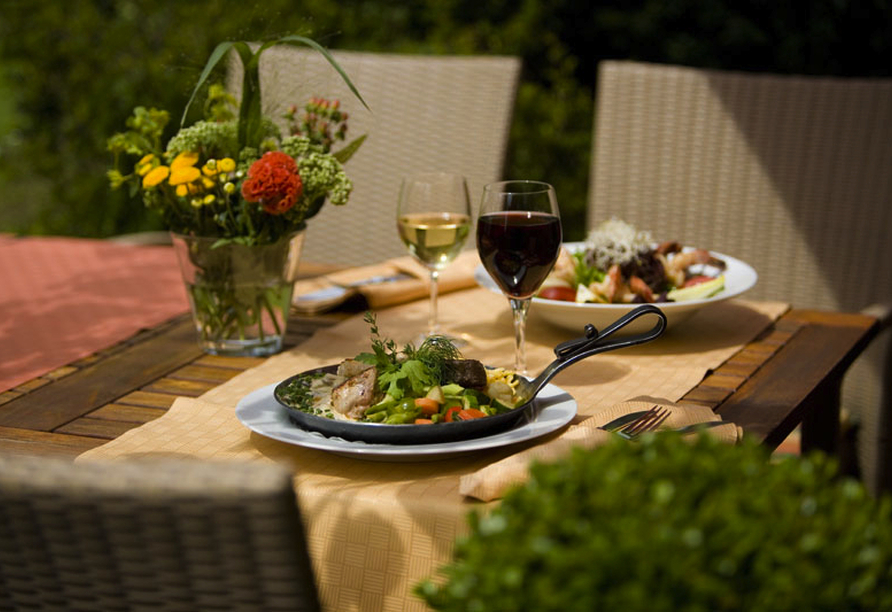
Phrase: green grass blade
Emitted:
{"points": [[217, 54]]}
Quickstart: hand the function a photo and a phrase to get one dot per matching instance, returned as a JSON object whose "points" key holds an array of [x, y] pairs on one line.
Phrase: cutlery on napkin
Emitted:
{"points": [[490, 482], [388, 283]]}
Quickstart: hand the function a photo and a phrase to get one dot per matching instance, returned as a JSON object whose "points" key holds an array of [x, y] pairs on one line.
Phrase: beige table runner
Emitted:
{"points": [[376, 528]]}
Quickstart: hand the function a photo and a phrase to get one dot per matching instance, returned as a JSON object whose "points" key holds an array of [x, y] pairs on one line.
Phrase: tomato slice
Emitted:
{"points": [[471, 413], [564, 294], [451, 413], [696, 280]]}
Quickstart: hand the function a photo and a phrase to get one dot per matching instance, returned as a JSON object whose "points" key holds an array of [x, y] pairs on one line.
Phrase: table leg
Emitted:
{"points": [[820, 425]]}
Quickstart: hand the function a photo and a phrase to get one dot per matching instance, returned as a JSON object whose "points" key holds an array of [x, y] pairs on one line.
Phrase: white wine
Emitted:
{"points": [[435, 239]]}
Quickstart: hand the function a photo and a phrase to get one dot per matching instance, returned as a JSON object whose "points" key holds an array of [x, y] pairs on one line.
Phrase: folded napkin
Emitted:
{"points": [[492, 481], [458, 275]]}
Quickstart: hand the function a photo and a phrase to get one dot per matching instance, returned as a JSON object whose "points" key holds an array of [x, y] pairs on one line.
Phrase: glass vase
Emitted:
{"points": [[240, 295]]}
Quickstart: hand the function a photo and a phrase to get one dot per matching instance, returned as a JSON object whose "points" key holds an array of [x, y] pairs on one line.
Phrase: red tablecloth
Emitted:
{"points": [[65, 298]]}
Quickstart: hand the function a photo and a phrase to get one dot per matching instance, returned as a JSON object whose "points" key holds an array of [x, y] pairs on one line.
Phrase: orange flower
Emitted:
{"points": [[273, 181]]}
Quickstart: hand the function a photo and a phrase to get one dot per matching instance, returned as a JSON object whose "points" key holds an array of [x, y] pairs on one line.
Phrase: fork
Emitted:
{"points": [[649, 421]]}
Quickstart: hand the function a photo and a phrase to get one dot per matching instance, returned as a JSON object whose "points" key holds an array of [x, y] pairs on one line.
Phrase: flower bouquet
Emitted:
{"points": [[236, 193]]}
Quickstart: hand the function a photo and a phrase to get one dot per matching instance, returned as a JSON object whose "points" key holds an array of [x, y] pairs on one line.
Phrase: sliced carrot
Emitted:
{"points": [[471, 413], [450, 413], [423, 422], [428, 405]]}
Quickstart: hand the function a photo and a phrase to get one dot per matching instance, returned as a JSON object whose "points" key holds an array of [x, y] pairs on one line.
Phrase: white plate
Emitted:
{"points": [[261, 413], [739, 277]]}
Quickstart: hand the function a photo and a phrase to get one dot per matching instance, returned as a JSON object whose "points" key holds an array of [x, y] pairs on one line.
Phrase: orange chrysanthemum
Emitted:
{"points": [[273, 182]]}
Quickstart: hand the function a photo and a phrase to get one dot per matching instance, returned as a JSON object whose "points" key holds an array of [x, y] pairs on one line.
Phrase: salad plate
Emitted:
{"points": [[739, 278], [260, 412]]}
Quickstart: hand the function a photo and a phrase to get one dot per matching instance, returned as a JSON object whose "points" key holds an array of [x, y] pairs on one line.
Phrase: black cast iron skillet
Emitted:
{"points": [[566, 353]]}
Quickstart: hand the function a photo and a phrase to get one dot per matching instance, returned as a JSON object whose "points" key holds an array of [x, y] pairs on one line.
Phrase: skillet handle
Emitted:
{"points": [[592, 343]]}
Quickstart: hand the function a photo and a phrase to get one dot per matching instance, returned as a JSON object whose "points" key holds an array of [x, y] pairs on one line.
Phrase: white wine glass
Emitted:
{"points": [[518, 239], [434, 219]]}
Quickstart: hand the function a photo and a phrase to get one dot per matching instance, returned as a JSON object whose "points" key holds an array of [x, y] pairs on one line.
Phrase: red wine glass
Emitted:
{"points": [[518, 239]]}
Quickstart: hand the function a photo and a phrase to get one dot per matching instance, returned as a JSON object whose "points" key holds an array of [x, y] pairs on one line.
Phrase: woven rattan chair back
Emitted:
{"points": [[791, 174], [150, 536], [428, 113]]}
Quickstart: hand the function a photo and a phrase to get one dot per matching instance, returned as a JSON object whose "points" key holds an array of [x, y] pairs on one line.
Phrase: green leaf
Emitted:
{"points": [[250, 116], [295, 39], [217, 54], [418, 375], [347, 152]]}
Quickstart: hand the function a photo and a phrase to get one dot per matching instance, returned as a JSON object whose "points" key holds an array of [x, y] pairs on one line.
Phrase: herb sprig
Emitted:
{"points": [[411, 368]]}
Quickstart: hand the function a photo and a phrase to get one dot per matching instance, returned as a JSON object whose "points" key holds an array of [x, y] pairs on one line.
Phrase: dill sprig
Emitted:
{"points": [[435, 352]]}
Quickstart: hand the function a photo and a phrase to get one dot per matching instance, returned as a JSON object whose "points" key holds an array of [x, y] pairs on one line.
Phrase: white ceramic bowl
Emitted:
{"points": [[739, 277]]}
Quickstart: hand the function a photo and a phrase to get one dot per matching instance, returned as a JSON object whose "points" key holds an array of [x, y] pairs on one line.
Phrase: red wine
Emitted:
{"points": [[518, 249]]}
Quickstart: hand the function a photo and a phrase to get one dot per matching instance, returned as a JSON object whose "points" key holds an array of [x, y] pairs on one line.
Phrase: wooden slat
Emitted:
{"points": [[189, 388], [17, 441], [104, 381], [199, 373], [234, 363], [127, 414], [148, 399], [8, 396], [97, 428]]}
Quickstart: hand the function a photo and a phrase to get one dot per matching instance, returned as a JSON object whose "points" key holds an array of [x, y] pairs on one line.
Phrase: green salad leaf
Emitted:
{"points": [[586, 274]]}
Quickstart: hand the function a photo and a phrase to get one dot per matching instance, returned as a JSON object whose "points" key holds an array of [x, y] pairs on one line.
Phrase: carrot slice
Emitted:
{"points": [[423, 422], [428, 405]]}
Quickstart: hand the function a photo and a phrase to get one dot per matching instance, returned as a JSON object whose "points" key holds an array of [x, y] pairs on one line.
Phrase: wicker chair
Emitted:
{"points": [[791, 174], [162, 536], [428, 113]]}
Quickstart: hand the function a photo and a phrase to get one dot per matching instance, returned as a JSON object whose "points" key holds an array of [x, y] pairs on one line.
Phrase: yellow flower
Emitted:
{"points": [[187, 189], [144, 166], [227, 164], [184, 160], [207, 183], [157, 174], [183, 174], [210, 168]]}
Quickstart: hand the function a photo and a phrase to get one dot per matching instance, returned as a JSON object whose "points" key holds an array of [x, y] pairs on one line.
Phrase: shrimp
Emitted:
{"points": [[676, 268], [611, 287], [638, 287]]}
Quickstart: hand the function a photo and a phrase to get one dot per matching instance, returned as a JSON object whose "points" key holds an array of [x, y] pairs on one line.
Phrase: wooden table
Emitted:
{"points": [[790, 375]]}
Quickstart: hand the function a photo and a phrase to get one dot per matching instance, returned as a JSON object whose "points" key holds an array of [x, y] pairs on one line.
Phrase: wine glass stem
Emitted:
{"points": [[433, 326], [520, 307]]}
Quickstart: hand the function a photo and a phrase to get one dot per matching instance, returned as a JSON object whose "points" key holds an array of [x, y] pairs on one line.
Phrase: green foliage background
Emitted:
{"points": [[70, 74]]}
